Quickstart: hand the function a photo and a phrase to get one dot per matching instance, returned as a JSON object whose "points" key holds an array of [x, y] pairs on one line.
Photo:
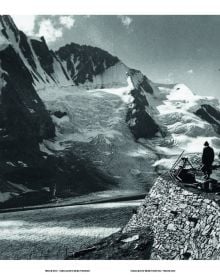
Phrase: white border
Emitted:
{"points": [[109, 269], [126, 7], [149, 270]]}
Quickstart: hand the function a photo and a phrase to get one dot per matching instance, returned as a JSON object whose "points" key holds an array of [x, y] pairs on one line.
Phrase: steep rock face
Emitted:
{"points": [[141, 124], [139, 81], [26, 49], [139, 118], [50, 62], [24, 122], [23, 114], [211, 115], [83, 63], [8, 27], [43, 65]]}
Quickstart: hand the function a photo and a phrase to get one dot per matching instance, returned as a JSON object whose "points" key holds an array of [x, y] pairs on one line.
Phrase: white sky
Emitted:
{"points": [[25, 23]]}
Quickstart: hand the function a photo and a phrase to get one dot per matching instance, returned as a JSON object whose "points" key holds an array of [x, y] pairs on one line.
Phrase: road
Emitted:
{"points": [[53, 233]]}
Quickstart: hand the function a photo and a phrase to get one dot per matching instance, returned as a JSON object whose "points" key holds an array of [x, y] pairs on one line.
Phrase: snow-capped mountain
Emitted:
{"points": [[77, 65], [70, 65], [92, 67], [86, 115], [187, 121]]}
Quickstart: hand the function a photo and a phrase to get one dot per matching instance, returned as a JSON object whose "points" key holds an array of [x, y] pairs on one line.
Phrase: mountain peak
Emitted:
{"points": [[8, 26], [84, 62]]}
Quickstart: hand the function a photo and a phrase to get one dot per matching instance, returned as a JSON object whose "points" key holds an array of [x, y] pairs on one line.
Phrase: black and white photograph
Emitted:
{"points": [[109, 137]]}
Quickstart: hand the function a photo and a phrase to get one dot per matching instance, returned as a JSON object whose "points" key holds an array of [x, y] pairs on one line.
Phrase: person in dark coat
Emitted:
{"points": [[208, 156]]}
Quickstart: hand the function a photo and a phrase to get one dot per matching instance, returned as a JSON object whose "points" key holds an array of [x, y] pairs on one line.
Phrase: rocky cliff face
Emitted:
{"points": [[23, 114], [211, 115], [139, 117], [43, 65], [24, 123], [83, 63]]}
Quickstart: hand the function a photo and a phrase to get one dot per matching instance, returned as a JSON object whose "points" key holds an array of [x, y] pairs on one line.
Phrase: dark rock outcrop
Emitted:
{"points": [[140, 122], [7, 21], [47, 58], [59, 114], [71, 175], [211, 115], [24, 121], [26, 49], [41, 62], [134, 245], [85, 62], [24, 118]]}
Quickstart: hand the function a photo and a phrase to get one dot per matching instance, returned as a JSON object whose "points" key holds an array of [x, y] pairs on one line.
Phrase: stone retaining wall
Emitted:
{"points": [[186, 225]]}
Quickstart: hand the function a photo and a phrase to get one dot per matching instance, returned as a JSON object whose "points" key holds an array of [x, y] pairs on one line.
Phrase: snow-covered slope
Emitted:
{"points": [[188, 121], [93, 124]]}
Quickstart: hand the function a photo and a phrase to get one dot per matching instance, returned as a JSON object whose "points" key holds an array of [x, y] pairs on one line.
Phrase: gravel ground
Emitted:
{"points": [[54, 233]]}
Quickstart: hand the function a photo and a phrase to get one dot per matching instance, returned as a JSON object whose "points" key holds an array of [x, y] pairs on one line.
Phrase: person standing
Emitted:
{"points": [[208, 156]]}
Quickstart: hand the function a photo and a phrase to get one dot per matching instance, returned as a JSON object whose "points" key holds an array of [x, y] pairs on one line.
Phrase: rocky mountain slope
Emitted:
{"points": [[42, 63], [27, 65], [84, 63]]}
